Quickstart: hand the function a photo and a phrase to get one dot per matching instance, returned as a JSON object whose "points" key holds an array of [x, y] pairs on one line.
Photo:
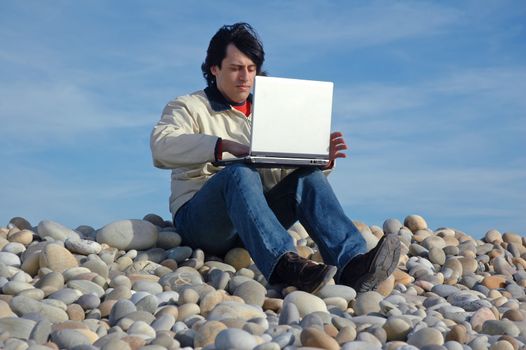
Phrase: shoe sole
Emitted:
{"points": [[329, 274], [384, 263]]}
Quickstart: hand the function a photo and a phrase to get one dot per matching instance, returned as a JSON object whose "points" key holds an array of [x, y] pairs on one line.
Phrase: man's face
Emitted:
{"points": [[236, 76]]}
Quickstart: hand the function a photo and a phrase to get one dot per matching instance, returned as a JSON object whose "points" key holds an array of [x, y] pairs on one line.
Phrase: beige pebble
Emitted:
{"points": [[415, 223], [25, 237], [106, 306], [206, 333], [501, 345], [187, 310], [210, 300], [513, 315], [31, 263], [337, 302], [494, 282], [457, 333], [386, 286], [316, 338], [57, 258], [273, 304], [346, 334], [511, 237], [402, 277], [167, 310], [75, 312], [421, 235], [480, 316]]}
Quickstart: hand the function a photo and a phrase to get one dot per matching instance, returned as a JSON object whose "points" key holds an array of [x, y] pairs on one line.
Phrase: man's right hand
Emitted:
{"points": [[235, 148]]}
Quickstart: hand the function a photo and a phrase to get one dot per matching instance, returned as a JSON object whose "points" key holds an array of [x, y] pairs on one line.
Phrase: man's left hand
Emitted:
{"points": [[337, 145]]}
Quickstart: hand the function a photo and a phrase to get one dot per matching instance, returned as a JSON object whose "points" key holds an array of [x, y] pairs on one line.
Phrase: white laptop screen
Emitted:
{"points": [[291, 117]]}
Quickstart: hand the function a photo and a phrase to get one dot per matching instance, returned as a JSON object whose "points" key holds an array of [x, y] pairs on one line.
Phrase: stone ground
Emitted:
{"points": [[133, 284]]}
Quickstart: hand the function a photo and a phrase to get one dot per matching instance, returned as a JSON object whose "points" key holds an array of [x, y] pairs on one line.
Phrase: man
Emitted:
{"points": [[218, 208]]}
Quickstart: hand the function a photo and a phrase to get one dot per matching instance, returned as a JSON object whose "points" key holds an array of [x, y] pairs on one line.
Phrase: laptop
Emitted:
{"points": [[291, 123]]}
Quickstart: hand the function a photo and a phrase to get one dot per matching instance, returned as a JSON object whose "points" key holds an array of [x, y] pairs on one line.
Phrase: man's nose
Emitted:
{"points": [[243, 74]]}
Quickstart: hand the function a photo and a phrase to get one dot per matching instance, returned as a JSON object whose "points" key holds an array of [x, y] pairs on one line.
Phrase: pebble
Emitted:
{"points": [[367, 303], [238, 258], [500, 327], [17, 327], [66, 295], [251, 292], [415, 223], [231, 309], [207, 333], [392, 226], [426, 337], [86, 287], [69, 338], [79, 289], [55, 230], [142, 329], [22, 306], [10, 259], [289, 314], [120, 309], [233, 338], [168, 239], [129, 234], [316, 338], [57, 258], [397, 328], [337, 290], [305, 302], [82, 246]]}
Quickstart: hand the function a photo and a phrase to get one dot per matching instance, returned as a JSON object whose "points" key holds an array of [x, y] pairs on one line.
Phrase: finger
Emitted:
{"points": [[338, 140]]}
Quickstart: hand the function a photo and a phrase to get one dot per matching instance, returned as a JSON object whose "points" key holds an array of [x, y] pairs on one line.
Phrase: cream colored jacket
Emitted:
{"points": [[185, 138]]}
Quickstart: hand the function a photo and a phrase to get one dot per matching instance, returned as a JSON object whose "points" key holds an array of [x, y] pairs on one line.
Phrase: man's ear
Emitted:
{"points": [[214, 70]]}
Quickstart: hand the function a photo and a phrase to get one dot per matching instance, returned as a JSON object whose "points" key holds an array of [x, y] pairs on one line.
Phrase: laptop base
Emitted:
{"points": [[274, 162]]}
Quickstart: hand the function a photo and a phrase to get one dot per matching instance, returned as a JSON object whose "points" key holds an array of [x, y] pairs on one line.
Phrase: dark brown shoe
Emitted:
{"points": [[304, 274], [364, 272]]}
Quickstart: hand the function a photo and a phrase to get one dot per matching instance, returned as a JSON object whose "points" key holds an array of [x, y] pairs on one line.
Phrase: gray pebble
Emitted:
{"points": [[392, 226], [149, 304], [86, 287], [251, 292], [289, 314], [500, 327], [164, 322], [17, 327], [218, 279], [88, 301], [179, 254], [69, 338], [233, 338], [121, 308]]}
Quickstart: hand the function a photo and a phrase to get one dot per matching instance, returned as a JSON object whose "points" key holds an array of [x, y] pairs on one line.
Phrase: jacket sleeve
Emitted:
{"points": [[177, 141]]}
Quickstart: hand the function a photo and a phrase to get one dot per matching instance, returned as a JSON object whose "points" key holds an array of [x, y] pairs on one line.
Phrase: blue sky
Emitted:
{"points": [[430, 97]]}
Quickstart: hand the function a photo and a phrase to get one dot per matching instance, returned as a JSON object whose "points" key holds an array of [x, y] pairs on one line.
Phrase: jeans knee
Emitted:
{"points": [[311, 175], [241, 169], [243, 173]]}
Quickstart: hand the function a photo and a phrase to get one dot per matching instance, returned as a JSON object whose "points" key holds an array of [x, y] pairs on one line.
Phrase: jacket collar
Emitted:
{"points": [[217, 101]]}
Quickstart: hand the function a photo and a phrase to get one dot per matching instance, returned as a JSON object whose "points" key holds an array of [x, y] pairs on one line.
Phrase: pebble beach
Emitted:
{"points": [[133, 284]]}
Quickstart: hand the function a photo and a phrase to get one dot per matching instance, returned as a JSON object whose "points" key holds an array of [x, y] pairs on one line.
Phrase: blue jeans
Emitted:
{"points": [[232, 209]]}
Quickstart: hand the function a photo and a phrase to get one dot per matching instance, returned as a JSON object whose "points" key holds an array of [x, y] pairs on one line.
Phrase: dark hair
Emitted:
{"points": [[244, 37]]}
